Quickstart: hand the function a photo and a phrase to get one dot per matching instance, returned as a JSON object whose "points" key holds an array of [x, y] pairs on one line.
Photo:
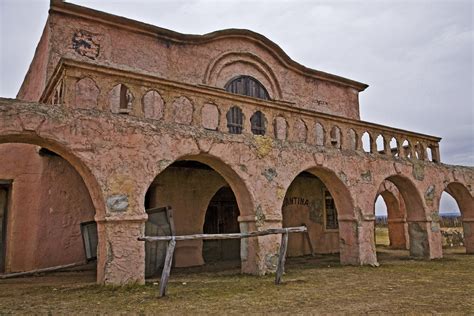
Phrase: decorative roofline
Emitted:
{"points": [[61, 7]]}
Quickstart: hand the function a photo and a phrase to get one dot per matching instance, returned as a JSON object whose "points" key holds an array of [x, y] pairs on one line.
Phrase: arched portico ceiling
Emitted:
{"points": [[463, 198], [89, 179], [411, 197], [339, 191], [236, 183]]}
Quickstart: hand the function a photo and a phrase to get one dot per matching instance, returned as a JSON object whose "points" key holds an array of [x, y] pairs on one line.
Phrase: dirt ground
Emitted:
{"points": [[311, 285]]}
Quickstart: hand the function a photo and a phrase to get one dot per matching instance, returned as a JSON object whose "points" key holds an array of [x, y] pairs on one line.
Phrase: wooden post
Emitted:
{"points": [[167, 268], [308, 238], [282, 257]]}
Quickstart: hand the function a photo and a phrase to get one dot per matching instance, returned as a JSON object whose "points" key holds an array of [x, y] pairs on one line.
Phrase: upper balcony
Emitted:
{"points": [[125, 92]]}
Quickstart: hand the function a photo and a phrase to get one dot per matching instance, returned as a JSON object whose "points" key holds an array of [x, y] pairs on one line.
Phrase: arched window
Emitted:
{"points": [[258, 123], [248, 86], [235, 119]]}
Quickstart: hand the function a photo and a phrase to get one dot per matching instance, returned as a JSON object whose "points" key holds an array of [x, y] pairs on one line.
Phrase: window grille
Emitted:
{"points": [[235, 120], [331, 212], [258, 123]]}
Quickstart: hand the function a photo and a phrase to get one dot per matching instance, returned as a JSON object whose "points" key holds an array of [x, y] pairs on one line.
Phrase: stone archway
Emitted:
{"points": [[341, 238], [52, 195], [418, 225], [396, 216], [187, 186], [465, 203]]}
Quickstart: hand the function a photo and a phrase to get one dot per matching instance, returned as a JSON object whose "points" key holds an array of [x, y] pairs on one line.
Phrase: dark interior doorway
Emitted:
{"points": [[4, 192], [221, 218]]}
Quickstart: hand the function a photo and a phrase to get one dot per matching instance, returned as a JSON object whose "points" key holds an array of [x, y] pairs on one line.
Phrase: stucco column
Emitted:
{"points": [[366, 232], [121, 257], [259, 255], [425, 239], [356, 239], [397, 231]]}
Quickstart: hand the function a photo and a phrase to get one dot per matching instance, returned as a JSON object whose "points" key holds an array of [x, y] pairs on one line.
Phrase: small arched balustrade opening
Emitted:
{"points": [[257, 122], [235, 119]]}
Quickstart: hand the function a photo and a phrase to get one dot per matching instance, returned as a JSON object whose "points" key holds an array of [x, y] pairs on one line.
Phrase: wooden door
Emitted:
{"points": [[221, 217]]}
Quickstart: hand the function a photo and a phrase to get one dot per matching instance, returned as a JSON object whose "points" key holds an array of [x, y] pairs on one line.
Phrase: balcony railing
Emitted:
{"points": [[125, 92]]}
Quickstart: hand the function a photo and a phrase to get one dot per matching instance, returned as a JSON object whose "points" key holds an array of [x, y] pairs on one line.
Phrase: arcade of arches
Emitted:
{"points": [[224, 130]]}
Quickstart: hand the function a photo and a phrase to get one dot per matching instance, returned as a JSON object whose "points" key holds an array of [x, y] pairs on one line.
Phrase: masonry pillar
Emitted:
{"points": [[425, 239], [397, 232], [259, 255], [121, 257], [356, 239], [468, 227]]}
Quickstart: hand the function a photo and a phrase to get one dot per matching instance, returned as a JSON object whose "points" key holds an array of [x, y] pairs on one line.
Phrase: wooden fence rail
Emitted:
{"points": [[172, 243]]}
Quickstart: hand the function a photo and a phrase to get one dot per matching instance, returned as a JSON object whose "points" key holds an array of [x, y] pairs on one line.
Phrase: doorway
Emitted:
{"points": [[221, 218], [4, 193]]}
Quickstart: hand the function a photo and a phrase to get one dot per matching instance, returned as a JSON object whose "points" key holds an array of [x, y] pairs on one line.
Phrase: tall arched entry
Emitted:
{"points": [[408, 222], [221, 218], [465, 203], [202, 200], [46, 211], [392, 227], [318, 199], [308, 202]]}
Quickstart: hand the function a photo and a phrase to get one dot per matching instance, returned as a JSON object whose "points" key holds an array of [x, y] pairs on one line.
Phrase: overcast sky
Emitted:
{"points": [[416, 56]]}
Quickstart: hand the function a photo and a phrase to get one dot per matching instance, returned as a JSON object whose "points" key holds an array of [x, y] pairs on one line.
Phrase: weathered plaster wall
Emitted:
{"points": [[304, 204], [188, 191], [37, 77], [212, 62], [48, 202]]}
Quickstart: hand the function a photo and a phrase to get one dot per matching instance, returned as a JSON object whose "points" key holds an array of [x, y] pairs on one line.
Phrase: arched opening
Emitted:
{"points": [[353, 140], [406, 219], [336, 137], [391, 229], [317, 199], [205, 196], [46, 210], [121, 99], [235, 120], [380, 144], [406, 148], [366, 142], [249, 86], [457, 217], [394, 147], [221, 218], [258, 122], [319, 129]]}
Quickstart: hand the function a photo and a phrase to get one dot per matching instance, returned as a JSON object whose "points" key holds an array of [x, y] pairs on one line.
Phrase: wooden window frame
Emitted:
{"points": [[327, 194]]}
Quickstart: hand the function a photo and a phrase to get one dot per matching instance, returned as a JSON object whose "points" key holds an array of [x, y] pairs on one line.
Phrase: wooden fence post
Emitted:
{"points": [[282, 257], [167, 268]]}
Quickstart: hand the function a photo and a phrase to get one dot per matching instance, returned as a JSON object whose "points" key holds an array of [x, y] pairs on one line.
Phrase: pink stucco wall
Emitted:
{"points": [[48, 202], [36, 77]]}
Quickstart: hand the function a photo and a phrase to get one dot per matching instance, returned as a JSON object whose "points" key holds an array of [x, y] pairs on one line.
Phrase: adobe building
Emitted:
{"points": [[116, 117]]}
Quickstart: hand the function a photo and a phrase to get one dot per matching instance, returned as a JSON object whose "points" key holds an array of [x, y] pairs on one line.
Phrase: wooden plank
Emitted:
{"points": [[310, 243], [167, 268], [169, 214], [281, 258], [300, 229], [50, 269]]}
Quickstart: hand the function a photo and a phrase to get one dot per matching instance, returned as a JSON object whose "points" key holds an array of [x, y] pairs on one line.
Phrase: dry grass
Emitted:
{"points": [[311, 285]]}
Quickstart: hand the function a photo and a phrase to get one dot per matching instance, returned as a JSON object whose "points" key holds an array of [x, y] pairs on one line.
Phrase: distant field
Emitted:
{"points": [[311, 285]]}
